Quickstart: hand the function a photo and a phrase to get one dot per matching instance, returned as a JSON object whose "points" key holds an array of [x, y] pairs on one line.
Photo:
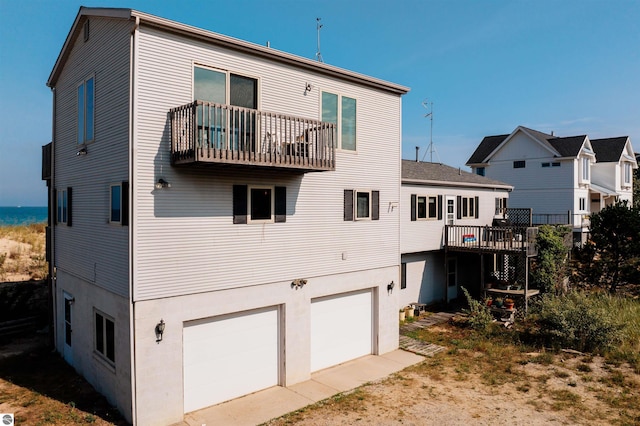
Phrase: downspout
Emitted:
{"points": [[132, 131], [53, 279]]}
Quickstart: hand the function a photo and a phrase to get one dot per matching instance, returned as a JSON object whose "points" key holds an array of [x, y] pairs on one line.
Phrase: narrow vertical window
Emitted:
{"points": [[341, 111], [116, 204], [422, 207], [62, 206], [105, 336], [627, 173], [585, 169], [403, 275], [86, 113], [363, 205], [348, 123]]}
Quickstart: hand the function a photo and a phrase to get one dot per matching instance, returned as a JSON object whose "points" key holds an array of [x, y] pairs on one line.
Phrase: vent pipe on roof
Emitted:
{"points": [[552, 133], [417, 150]]}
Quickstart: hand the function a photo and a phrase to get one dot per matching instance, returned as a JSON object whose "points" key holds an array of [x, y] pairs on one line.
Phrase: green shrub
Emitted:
{"points": [[479, 315], [578, 321]]}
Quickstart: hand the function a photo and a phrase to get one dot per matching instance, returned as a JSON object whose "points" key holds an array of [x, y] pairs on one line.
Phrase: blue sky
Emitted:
{"points": [[571, 66]]}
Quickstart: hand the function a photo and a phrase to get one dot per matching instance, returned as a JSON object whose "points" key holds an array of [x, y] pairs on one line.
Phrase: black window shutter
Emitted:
{"points": [[413, 207], [124, 220], [504, 204], [69, 206], [477, 207], [348, 204], [440, 207], [54, 206], [375, 205], [239, 204], [281, 204], [459, 206]]}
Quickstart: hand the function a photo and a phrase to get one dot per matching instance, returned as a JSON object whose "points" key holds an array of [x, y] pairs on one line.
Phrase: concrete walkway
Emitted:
{"points": [[274, 402]]}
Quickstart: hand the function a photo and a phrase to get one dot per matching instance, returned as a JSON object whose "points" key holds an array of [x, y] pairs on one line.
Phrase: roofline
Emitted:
{"points": [[456, 184], [223, 41]]}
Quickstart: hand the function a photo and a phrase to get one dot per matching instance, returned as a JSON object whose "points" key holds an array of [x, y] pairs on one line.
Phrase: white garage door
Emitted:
{"points": [[230, 356], [341, 328]]}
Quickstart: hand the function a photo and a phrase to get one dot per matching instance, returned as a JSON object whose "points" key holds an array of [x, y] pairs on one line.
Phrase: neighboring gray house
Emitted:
{"points": [[435, 265], [223, 217], [563, 179]]}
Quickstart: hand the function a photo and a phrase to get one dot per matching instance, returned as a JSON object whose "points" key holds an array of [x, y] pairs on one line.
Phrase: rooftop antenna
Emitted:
{"points": [[318, 27], [432, 148]]}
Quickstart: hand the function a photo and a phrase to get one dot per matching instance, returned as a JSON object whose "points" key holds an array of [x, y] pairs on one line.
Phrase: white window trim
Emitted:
{"points": [[84, 115], [119, 221], [585, 167], [272, 188], [355, 204], [227, 89], [427, 217], [339, 119], [466, 201], [96, 352], [627, 174]]}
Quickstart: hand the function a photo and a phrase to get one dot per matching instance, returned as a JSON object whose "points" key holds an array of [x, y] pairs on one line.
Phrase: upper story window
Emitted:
{"points": [[519, 164], [627, 173], [222, 87], [501, 205], [468, 207], [585, 168], [341, 111], [480, 171], [86, 107], [425, 207]]}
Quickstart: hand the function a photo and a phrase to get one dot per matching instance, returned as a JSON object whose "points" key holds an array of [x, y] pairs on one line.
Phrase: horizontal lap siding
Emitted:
{"points": [[427, 235], [92, 249], [185, 241]]}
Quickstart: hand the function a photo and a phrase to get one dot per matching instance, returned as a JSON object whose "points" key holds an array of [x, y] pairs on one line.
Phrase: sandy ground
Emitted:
{"points": [[15, 252]]}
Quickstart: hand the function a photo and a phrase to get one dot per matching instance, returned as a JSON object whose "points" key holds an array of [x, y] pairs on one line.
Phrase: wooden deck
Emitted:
{"points": [[491, 239], [208, 133]]}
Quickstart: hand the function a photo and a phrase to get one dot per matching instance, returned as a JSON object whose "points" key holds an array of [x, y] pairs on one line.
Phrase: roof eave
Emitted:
{"points": [[456, 184], [223, 41], [75, 28], [267, 52]]}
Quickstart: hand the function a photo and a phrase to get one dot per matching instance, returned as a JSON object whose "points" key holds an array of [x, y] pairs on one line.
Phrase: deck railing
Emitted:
{"points": [[575, 220], [491, 238], [204, 132]]}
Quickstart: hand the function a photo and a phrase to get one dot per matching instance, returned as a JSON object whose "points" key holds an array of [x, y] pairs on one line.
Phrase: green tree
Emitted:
{"points": [[615, 233], [549, 269]]}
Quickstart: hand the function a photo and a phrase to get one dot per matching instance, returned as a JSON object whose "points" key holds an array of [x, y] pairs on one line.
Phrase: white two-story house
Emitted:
{"points": [[223, 213], [435, 263], [563, 179]]}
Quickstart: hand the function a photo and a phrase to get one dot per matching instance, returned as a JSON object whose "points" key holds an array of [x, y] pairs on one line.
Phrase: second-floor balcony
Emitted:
{"points": [[204, 132], [492, 239]]}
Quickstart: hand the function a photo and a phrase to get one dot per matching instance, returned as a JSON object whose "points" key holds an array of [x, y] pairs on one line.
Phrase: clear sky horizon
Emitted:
{"points": [[568, 66]]}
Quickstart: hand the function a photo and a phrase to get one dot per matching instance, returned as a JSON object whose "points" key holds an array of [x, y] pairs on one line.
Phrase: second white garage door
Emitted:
{"points": [[230, 356], [341, 328]]}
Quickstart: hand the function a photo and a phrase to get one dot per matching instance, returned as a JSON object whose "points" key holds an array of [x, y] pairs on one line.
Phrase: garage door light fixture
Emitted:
{"points": [[159, 331]]}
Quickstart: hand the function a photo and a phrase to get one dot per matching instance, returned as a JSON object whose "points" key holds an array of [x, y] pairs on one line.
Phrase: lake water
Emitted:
{"points": [[22, 215]]}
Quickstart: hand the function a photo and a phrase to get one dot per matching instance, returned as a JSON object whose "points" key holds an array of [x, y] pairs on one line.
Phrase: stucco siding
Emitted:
{"points": [[105, 57], [185, 241]]}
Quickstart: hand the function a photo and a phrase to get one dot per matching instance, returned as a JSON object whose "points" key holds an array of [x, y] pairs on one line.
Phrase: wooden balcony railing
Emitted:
{"points": [[507, 239], [203, 132]]}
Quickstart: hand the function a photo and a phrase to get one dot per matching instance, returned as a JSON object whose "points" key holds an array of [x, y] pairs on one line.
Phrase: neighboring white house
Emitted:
{"points": [[563, 179], [435, 195], [205, 250]]}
